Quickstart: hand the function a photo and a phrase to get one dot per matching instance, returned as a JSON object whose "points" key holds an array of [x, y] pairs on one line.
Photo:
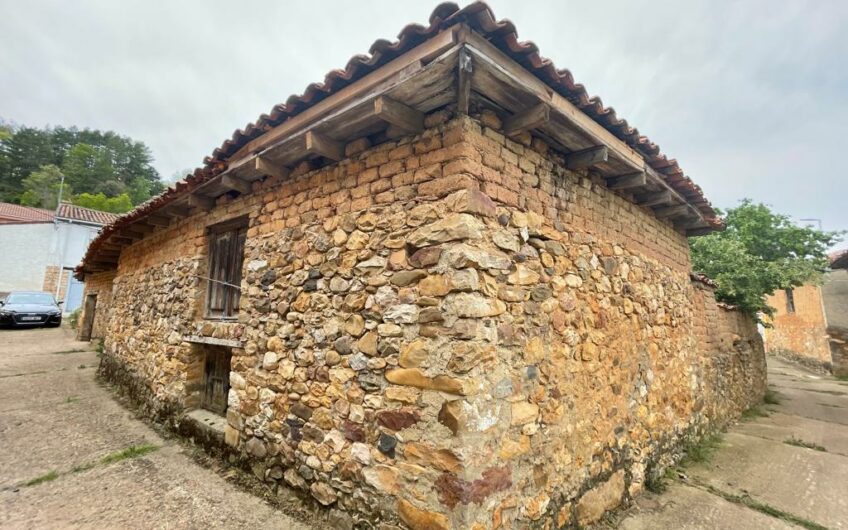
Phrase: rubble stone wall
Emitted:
{"points": [[449, 331]]}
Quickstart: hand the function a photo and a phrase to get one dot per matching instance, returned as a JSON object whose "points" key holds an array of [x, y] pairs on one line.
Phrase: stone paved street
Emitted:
{"points": [[755, 460], [55, 417]]}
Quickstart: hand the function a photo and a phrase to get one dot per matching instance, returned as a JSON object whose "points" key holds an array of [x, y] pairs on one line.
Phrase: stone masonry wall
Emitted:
{"points": [[446, 331], [800, 336]]}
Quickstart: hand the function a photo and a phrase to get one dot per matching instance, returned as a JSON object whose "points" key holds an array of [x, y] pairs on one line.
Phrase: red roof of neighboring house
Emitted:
{"points": [[86, 215], [17, 214], [839, 259]]}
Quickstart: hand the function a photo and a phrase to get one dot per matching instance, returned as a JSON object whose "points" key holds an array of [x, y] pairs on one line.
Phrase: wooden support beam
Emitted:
{"points": [[703, 231], [631, 180], [201, 202], [158, 220], [532, 118], [143, 228], [678, 210], [586, 157], [318, 144], [235, 183], [463, 81], [399, 115], [653, 199], [122, 240], [268, 167], [175, 211]]}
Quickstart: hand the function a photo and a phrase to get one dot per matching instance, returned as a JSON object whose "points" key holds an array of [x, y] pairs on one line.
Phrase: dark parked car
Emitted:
{"points": [[30, 308]]}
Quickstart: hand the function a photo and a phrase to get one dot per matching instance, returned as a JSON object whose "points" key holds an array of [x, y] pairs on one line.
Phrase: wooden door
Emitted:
{"points": [[216, 380], [88, 314]]}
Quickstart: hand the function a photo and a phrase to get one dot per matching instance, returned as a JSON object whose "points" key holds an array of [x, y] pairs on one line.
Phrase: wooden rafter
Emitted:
{"points": [[624, 182], [586, 158], [532, 118], [399, 115], [235, 183], [322, 145]]}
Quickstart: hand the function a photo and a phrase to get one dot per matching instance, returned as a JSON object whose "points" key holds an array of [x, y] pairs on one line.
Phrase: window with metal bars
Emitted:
{"points": [[226, 256]]}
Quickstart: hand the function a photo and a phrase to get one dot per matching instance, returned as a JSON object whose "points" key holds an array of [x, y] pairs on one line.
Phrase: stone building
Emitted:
{"points": [[810, 323], [443, 289]]}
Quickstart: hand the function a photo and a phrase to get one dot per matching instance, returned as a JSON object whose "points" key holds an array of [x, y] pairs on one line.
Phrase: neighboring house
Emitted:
{"points": [[41, 247], [444, 287], [810, 324]]}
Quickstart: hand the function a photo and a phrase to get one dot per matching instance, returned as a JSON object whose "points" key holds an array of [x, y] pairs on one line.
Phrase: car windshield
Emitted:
{"points": [[30, 298]]}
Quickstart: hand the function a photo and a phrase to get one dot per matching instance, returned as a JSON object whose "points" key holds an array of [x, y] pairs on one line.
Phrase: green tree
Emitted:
{"points": [[93, 161], [41, 188], [100, 201], [759, 253]]}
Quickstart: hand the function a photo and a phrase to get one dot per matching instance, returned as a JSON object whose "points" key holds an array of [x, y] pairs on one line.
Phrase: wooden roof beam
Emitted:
{"points": [[398, 115], [666, 212], [625, 182], [532, 118], [266, 166], [586, 158], [201, 202], [234, 183], [653, 199], [464, 70], [321, 145], [157, 220]]}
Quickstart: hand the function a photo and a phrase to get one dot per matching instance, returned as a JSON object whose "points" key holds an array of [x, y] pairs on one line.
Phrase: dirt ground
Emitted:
{"points": [[57, 424], [55, 417]]}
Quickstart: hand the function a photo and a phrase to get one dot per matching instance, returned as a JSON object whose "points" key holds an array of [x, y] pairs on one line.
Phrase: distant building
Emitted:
{"points": [[41, 247], [810, 324]]}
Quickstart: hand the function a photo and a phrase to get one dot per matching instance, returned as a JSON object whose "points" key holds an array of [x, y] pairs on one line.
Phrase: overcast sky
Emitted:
{"points": [[750, 96]]}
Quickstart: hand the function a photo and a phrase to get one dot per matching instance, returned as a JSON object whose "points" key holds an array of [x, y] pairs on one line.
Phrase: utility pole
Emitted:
{"points": [[60, 253]]}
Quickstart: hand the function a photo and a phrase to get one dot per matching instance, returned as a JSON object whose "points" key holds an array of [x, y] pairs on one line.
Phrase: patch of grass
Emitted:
{"points": [[47, 477], [753, 413], [771, 397], [702, 450], [754, 504], [83, 467], [73, 318], [797, 442], [65, 352], [831, 405], [133, 451], [71, 399], [81, 367], [99, 348]]}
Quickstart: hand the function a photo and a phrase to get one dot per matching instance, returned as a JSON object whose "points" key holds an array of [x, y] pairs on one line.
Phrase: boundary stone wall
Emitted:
{"points": [[444, 331]]}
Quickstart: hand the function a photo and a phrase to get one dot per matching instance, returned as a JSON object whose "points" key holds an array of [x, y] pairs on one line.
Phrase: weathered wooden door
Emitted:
{"points": [[216, 380], [88, 321]]}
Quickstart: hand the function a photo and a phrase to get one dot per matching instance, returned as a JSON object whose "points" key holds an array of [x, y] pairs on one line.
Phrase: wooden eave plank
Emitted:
{"points": [[158, 220]]}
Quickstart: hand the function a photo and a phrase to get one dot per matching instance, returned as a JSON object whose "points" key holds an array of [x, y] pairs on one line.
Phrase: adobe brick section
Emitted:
{"points": [[801, 336], [445, 331]]}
